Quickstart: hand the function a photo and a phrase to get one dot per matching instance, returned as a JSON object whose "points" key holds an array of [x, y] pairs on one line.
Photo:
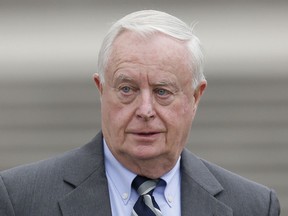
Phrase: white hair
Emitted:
{"points": [[146, 22]]}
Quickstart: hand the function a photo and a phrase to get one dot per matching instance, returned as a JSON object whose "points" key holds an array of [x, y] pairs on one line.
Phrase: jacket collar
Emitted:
{"points": [[199, 188], [85, 173]]}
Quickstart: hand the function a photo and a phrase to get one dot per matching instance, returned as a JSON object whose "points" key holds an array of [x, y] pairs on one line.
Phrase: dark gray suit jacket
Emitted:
{"points": [[75, 184]]}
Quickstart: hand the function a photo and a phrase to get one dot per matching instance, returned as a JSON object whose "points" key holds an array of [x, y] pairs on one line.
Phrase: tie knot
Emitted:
{"points": [[144, 185]]}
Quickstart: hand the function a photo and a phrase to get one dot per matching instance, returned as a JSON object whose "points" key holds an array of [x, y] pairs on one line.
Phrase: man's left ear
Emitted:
{"points": [[199, 92]]}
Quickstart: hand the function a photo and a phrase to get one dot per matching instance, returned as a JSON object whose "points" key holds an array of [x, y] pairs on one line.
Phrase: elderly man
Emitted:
{"points": [[150, 81]]}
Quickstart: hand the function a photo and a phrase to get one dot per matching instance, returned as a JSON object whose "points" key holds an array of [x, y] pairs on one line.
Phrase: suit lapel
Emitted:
{"points": [[86, 175], [89, 198], [199, 188]]}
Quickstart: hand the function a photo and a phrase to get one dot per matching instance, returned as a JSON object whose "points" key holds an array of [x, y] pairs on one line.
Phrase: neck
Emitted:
{"points": [[150, 168]]}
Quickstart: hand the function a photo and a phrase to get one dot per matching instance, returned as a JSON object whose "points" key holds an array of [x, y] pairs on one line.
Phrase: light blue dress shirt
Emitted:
{"points": [[123, 197]]}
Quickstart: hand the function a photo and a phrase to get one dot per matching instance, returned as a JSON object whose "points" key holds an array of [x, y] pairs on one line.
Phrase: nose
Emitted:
{"points": [[145, 110]]}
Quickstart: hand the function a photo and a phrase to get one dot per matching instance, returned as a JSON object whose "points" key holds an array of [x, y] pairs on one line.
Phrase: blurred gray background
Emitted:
{"points": [[48, 102]]}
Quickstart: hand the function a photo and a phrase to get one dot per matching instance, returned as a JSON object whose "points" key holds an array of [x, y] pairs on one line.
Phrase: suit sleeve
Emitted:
{"points": [[274, 209], [6, 208]]}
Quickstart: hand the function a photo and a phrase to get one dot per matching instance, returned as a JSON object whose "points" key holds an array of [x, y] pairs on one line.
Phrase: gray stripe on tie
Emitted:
{"points": [[146, 187]]}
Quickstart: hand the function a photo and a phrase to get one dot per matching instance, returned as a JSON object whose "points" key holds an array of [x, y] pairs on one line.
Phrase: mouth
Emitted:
{"points": [[146, 133]]}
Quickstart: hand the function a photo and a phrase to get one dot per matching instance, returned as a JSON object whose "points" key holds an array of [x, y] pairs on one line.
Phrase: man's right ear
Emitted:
{"points": [[98, 83]]}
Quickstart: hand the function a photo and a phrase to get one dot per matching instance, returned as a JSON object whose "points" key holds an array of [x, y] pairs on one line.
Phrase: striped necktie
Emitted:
{"points": [[146, 204]]}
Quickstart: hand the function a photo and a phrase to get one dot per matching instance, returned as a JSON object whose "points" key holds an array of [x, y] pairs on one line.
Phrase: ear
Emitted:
{"points": [[199, 92], [98, 83]]}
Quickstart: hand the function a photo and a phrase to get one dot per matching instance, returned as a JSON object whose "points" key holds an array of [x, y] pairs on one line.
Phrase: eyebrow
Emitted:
{"points": [[122, 78], [167, 83]]}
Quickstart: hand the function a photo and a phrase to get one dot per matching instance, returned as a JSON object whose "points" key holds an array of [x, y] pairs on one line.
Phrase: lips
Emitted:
{"points": [[143, 134], [146, 133]]}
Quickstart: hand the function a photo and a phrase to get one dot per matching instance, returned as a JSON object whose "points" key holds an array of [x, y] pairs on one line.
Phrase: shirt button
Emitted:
{"points": [[125, 196], [170, 199]]}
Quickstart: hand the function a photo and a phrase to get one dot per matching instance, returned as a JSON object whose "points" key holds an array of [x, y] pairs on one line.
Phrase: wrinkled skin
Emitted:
{"points": [[147, 102]]}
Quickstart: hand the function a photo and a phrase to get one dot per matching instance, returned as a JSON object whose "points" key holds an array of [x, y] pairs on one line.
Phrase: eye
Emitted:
{"points": [[164, 96], [162, 92], [125, 89]]}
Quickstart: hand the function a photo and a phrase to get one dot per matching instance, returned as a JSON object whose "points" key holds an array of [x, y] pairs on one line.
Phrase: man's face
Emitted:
{"points": [[147, 101]]}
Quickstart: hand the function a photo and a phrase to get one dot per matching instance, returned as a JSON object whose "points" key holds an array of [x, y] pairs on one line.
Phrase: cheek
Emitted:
{"points": [[115, 115], [182, 111], [178, 119]]}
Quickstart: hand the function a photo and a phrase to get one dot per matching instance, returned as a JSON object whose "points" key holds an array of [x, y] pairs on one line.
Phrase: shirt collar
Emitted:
{"points": [[120, 176], [173, 180]]}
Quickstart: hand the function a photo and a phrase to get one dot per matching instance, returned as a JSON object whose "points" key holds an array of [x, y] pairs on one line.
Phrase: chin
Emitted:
{"points": [[146, 153]]}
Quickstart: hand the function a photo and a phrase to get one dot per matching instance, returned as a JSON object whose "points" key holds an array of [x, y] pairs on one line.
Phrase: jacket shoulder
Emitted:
{"points": [[31, 187], [244, 195]]}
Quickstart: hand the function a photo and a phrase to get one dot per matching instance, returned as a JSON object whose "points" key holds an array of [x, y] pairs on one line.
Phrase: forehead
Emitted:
{"points": [[156, 52]]}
